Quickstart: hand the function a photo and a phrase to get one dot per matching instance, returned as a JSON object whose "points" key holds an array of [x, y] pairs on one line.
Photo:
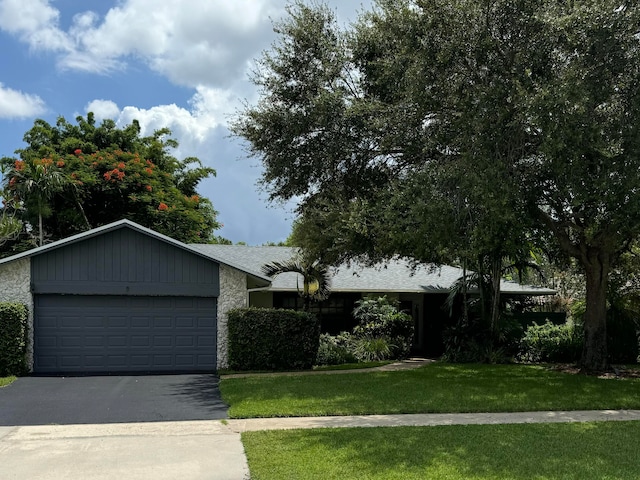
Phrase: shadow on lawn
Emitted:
{"points": [[520, 452]]}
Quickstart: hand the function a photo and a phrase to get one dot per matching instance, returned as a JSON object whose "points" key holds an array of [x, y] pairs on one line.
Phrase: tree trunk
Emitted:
{"points": [[40, 233], [496, 277], [594, 351]]}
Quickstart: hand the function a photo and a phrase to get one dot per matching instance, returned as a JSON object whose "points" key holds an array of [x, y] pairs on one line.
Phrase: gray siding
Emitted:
{"points": [[124, 262]]}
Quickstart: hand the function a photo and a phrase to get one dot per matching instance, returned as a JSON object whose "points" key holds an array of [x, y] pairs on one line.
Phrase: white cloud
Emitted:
{"points": [[191, 126], [34, 22], [103, 109], [16, 104], [200, 42]]}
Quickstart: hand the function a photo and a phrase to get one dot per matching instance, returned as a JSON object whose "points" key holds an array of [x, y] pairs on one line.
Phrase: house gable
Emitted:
{"points": [[124, 261]]}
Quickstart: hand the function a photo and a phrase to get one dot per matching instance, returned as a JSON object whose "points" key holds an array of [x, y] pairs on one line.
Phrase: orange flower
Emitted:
{"points": [[149, 171], [19, 165], [148, 187], [107, 176], [60, 163], [77, 151], [12, 182], [163, 206], [121, 165]]}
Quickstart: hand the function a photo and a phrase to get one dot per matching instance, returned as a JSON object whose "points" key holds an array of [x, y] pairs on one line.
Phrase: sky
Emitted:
{"points": [[181, 64]]}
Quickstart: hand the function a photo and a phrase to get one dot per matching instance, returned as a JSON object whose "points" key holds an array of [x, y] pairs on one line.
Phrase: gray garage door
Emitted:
{"points": [[100, 334]]}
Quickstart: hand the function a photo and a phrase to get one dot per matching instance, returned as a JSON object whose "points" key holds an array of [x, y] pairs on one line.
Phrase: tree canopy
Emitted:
{"points": [[458, 130], [73, 177]]}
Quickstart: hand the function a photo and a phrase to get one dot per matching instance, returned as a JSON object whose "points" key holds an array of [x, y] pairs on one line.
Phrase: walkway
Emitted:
{"points": [[430, 419]]}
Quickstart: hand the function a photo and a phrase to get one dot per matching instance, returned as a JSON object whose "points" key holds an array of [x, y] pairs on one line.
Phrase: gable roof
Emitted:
{"points": [[393, 276], [257, 276]]}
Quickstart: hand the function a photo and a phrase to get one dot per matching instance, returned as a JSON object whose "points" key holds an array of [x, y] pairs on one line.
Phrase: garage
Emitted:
{"points": [[86, 334], [123, 300]]}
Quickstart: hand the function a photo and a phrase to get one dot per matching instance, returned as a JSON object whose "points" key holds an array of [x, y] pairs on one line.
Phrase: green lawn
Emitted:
{"points": [[4, 381], [584, 451], [434, 388]]}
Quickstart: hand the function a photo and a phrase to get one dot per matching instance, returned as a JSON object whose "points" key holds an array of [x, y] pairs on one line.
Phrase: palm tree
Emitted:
{"points": [[316, 277], [35, 183], [10, 227]]}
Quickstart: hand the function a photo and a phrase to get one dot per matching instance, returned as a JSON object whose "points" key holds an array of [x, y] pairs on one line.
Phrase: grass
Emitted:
{"points": [[4, 381], [352, 366], [580, 451], [343, 366], [438, 387]]}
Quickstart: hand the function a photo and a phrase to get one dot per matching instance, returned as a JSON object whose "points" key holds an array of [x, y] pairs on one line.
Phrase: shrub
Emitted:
{"points": [[335, 350], [269, 339], [551, 343], [13, 339], [380, 318], [372, 349]]}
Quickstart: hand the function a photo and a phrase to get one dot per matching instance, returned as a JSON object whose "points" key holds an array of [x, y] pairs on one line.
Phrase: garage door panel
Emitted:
{"points": [[83, 334]]}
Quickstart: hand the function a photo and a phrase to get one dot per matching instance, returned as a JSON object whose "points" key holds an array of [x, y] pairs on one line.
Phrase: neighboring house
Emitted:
{"points": [[123, 298]]}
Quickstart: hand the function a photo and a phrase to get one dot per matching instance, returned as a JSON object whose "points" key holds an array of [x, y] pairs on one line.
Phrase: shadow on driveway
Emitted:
{"points": [[110, 399]]}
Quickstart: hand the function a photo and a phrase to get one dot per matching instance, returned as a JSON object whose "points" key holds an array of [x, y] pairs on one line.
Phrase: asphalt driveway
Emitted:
{"points": [[110, 399]]}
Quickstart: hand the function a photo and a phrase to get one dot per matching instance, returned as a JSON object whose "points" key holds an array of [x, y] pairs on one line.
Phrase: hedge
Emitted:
{"points": [[13, 339], [269, 339]]}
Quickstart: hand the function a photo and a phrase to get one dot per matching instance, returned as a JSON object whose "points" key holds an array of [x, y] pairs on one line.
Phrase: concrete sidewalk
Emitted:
{"points": [[430, 419], [196, 450]]}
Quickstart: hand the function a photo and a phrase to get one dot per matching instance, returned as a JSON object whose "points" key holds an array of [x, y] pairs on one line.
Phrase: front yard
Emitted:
{"points": [[580, 451], [583, 451], [435, 388]]}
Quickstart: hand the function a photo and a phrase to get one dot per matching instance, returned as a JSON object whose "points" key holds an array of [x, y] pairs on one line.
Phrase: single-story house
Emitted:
{"points": [[123, 298], [421, 291]]}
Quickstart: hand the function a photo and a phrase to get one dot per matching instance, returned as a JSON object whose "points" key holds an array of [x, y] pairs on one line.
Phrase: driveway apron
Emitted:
{"points": [[116, 427], [110, 399]]}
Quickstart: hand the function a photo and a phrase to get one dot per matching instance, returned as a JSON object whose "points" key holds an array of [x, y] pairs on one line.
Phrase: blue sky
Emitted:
{"points": [[167, 63]]}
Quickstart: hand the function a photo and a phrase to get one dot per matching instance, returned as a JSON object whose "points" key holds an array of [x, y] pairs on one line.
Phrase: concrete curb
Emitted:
{"points": [[431, 419]]}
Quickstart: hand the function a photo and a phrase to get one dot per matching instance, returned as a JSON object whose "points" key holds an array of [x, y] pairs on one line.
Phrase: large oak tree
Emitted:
{"points": [[445, 129]]}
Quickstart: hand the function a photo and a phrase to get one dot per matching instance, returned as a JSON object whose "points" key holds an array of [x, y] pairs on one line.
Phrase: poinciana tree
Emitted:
{"points": [[90, 175]]}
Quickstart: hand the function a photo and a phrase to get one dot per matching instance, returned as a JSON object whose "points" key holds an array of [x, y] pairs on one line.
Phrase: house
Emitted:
{"points": [[421, 291], [123, 298]]}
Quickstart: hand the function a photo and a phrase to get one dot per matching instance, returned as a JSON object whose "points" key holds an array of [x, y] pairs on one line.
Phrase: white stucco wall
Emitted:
{"points": [[233, 294], [15, 286]]}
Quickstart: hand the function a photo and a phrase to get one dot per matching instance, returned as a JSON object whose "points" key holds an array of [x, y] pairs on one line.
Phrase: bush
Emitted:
{"points": [[380, 318], [372, 349], [335, 350], [268, 339], [551, 343], [13, 339]]}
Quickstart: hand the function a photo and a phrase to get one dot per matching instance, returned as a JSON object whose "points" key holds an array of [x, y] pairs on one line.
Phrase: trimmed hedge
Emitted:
{"points": [[269, 339], [13, 339]]}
